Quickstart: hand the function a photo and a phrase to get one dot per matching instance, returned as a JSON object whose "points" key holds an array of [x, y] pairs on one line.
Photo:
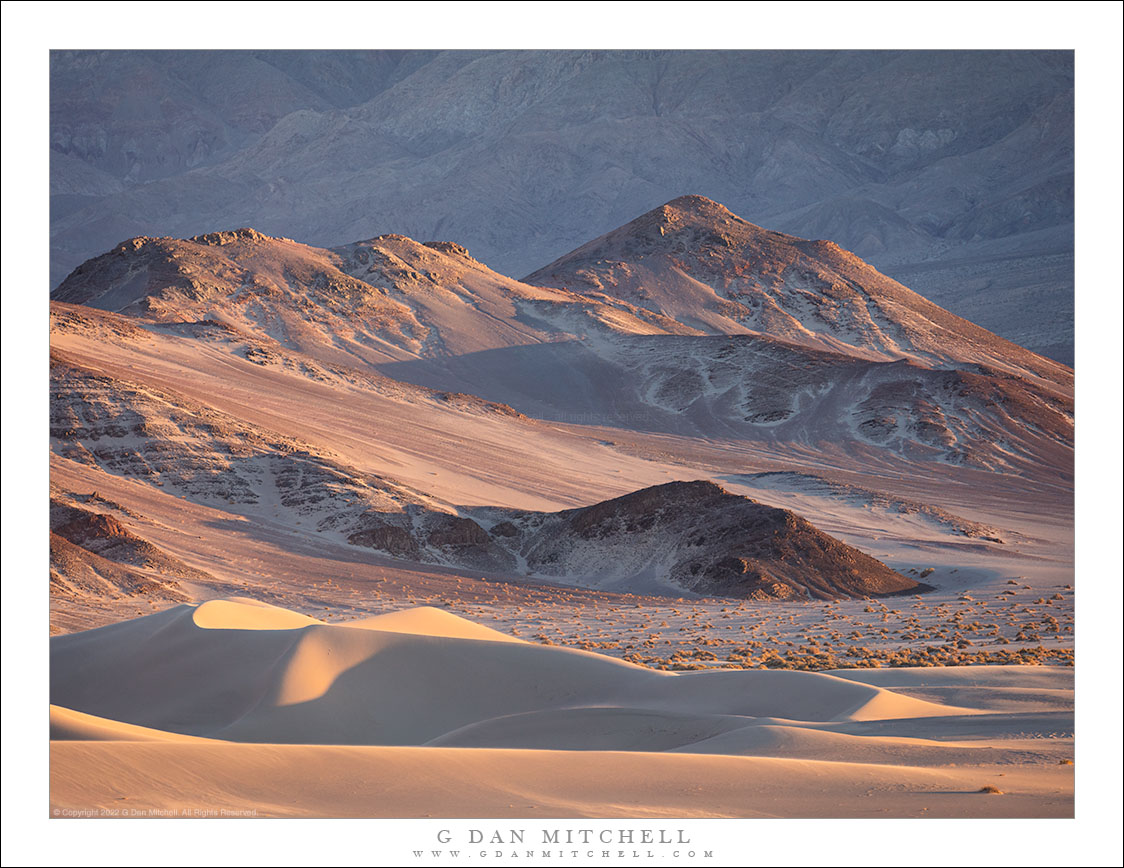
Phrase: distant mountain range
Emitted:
{"points": [[687, 319], [950, 171], [268, 378]]}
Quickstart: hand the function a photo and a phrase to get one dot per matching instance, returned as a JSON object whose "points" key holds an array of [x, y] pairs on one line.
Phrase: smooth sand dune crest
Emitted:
{"points": [[242, 613], [987, 688], [765, 739], [234, 704], [70, 725], [429, 621], [251, 674]]}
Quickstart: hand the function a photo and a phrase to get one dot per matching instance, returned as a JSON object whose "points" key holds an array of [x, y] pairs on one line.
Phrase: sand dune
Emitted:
{"points": [[229, 703], [428, 621], [70, 725], [350, 781], [242, 613], [243, 671]]}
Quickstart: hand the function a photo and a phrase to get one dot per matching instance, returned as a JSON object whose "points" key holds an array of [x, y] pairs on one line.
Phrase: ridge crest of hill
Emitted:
{"points": [[693, 260]]}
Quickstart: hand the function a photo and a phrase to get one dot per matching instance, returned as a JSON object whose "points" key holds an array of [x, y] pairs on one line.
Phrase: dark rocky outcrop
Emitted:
{"points": [[454, 532], [389, 538], [673, 538], [714, 542], [94, 554], [432, 537]]}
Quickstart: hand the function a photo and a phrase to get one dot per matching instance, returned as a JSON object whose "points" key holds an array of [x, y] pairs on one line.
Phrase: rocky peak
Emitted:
{"points": [[231, 236], [707, 540], [698, 206], [692, 220], [643, 507], [696, 262], [451, 248]]}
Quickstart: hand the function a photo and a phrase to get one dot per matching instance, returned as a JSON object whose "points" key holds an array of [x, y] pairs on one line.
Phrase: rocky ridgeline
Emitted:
{"points": [[698, 318], [696, 261], [94, 555], [914, 157], [694, 536]]}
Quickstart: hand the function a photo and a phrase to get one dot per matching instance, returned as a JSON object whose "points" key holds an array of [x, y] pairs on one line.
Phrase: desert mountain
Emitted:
{"points": [[698, 263], [673, 538], [390, 298], [689, 267], [335, 391], [951, 171], [688, 319]]}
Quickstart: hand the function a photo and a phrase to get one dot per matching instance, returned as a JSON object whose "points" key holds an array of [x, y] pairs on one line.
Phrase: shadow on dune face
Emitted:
{"points": [[255, 673]]}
